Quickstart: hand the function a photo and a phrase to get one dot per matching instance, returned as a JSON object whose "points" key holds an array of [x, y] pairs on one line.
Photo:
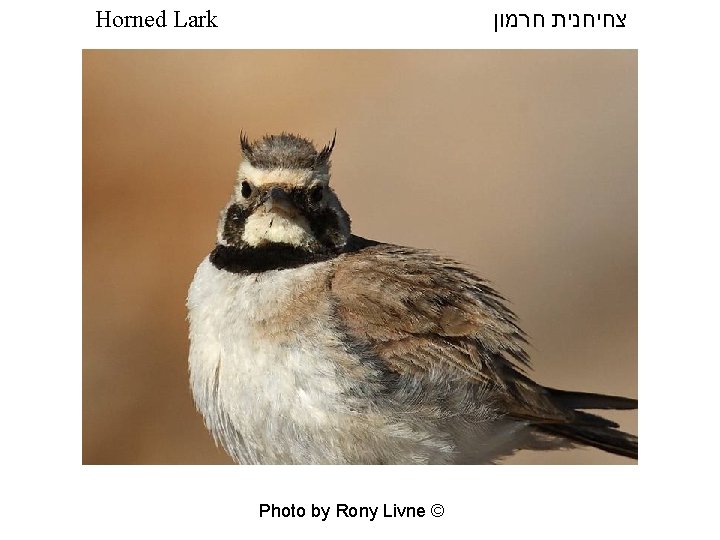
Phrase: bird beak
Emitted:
{"points": [[278, 199]]}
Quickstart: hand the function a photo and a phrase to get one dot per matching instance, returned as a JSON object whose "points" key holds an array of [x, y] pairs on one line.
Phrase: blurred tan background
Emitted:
{"points": [[522, 164]]}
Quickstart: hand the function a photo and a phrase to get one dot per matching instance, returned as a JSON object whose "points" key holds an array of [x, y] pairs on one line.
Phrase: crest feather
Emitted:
{"points": [[288, 151], [324, 154]]}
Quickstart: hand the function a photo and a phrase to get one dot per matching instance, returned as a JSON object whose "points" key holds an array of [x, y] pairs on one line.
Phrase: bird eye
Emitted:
{"points": [[316, 193], [245, 189]]}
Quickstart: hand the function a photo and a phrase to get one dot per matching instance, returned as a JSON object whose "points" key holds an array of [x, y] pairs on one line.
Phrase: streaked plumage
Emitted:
{"points": [[311, 345]]}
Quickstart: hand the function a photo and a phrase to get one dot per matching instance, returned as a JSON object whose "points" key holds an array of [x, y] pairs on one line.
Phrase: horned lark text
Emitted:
{"points": [[108, 19]]}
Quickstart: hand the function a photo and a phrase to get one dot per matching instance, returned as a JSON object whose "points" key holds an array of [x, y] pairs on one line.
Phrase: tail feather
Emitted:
{"points": [[588, 400], [609, 439], [590, 429]]}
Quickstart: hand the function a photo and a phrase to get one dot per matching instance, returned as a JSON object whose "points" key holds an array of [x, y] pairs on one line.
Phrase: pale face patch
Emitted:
{"points": [[272, 227], [290, 177]]}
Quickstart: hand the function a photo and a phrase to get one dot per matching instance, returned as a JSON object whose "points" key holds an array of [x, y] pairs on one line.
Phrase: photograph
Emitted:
{"points": [[377, 257]]}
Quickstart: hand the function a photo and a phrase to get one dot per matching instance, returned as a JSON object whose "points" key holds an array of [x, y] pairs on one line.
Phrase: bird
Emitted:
{"points": [[311, 345]]}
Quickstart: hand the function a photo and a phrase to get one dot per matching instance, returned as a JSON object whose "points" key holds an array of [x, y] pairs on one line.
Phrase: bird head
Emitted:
{"points": [[283, 197]]}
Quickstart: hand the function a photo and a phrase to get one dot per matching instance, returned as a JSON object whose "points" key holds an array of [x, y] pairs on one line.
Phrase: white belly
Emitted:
{"points": [[260, 370]]}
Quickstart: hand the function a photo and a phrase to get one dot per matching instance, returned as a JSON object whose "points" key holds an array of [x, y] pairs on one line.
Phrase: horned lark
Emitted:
{"points": [[311, 345]]}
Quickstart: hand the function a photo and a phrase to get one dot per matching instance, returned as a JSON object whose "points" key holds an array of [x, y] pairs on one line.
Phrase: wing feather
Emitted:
{"points": [[422, 314]]}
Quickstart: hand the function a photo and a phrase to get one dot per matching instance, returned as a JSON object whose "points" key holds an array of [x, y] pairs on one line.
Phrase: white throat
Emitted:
{"points": [[264, 227]]}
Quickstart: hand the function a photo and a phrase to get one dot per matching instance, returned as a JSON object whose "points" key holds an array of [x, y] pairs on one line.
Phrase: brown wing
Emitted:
{"points": [[419, 313]]}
